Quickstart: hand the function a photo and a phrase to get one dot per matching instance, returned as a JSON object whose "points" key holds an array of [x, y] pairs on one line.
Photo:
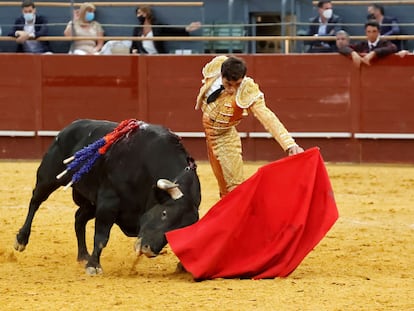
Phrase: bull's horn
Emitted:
{"points": [[166, 184], [170, 187]]}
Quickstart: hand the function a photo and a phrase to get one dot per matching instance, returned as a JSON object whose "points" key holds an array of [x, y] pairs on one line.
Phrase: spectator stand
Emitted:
{"points": [[225, 46], [354, 12], [117, 18], [215, 36]]}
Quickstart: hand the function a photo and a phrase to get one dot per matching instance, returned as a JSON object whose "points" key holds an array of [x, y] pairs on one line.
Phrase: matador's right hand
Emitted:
{"points": [[294, 150]]}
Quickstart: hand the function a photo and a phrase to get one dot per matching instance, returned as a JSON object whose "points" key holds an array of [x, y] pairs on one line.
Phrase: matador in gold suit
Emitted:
{"points": [[237, 97]]}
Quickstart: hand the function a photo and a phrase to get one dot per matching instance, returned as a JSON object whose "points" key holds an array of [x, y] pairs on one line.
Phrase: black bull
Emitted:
{"points": [[146, 183]]}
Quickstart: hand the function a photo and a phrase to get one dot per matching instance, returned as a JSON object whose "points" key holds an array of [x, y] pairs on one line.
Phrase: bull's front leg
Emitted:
{"points": [[40, 194], [46, 183], [106, 213], [22, 237]]}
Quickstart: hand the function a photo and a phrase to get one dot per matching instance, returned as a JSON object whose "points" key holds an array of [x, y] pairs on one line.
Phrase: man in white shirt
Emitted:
{"points": [[373, 47], [325, 24]]}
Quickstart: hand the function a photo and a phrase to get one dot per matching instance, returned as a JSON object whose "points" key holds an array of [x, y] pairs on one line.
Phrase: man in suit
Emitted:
{"points": [[27, 28], [365, 51], [388, 24], [325, 24]]}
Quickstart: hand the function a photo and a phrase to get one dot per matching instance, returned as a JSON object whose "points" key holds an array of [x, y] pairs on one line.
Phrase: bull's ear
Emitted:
{"points": [[170, 187]]}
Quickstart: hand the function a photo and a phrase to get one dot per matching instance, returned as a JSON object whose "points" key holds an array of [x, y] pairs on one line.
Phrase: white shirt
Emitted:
{"points": [[375, 43], [322, 28], [148, 45], [29, 27], [214, 86], [31, 46]]}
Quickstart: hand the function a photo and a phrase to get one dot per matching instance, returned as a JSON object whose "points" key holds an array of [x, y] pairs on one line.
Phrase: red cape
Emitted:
{"points": [[265, 227]]}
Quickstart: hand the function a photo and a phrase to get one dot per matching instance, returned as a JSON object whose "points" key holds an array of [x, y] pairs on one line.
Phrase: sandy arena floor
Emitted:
{"points": [[366, 262]]}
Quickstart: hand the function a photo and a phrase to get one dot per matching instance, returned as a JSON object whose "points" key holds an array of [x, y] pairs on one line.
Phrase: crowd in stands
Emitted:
{"points": [[326, 24], [30, 25], [377, 25]]}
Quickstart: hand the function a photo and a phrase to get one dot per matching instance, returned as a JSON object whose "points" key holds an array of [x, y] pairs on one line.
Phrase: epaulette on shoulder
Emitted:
{"points": [[247, 93], [213, 68]]}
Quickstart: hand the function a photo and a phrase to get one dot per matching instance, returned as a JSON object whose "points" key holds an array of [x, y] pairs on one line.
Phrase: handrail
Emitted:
{"points": [[207, 38], [64, 4], [198, 3], [368, 2], [218, 26]]}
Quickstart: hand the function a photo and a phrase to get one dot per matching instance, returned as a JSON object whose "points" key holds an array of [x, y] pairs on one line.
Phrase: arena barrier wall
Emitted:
{"points": [[353, 114]]}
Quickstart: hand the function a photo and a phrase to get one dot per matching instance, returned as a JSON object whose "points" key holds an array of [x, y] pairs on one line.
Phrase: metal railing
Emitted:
{"points": [[368, 2], [102, 4], [286, 40]]}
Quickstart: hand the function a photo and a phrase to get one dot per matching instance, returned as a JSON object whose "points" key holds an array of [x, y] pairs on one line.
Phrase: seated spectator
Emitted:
{"points": [[342, 39], [388, 24], [27, 28], [146, 20], [365, 51], [84, 25], [325, 24]]}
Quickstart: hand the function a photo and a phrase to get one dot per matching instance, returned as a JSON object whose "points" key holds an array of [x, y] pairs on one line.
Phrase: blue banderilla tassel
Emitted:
{"points": [[82, 161], [85, 168]]}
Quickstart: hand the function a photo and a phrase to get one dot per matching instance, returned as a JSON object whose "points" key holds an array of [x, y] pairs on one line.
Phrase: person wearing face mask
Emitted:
{"points": [[84, 25], [146, 22], [226, 96], [388, 24], [325, 24], [27, 28]]}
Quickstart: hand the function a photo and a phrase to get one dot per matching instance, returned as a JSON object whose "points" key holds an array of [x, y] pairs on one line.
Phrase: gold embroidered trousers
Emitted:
{"points": [[225, 155]]}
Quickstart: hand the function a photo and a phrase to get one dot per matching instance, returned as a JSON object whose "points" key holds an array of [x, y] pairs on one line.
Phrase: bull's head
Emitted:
{"points": [[176, 212]]}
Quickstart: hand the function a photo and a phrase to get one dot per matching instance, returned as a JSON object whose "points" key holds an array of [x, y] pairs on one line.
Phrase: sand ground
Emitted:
{"points": [[366, 262]]}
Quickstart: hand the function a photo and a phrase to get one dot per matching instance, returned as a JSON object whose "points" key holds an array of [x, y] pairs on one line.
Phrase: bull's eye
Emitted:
{"points": [[164, 214]]}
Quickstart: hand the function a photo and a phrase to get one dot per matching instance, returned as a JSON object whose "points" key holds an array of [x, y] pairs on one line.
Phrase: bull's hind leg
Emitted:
{"points": [[85, 213]]}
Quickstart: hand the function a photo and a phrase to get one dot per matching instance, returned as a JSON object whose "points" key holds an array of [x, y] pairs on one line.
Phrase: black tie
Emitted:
{"points": [[213, 96], [371, 47]]}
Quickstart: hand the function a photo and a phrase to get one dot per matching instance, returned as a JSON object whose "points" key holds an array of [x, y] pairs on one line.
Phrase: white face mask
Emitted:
{"points": [[327, 13], [28, 17]]}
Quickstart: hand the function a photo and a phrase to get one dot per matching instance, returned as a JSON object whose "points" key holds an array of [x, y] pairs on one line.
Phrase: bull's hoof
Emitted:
{"points": [[18, 246], [94, 270]]}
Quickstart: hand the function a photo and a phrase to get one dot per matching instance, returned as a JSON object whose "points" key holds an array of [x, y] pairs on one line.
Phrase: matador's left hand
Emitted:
{"points": [[294, 150]]}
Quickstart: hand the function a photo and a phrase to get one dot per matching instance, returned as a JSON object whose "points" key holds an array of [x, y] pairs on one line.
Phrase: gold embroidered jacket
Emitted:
{"points": [[227, 110]]}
